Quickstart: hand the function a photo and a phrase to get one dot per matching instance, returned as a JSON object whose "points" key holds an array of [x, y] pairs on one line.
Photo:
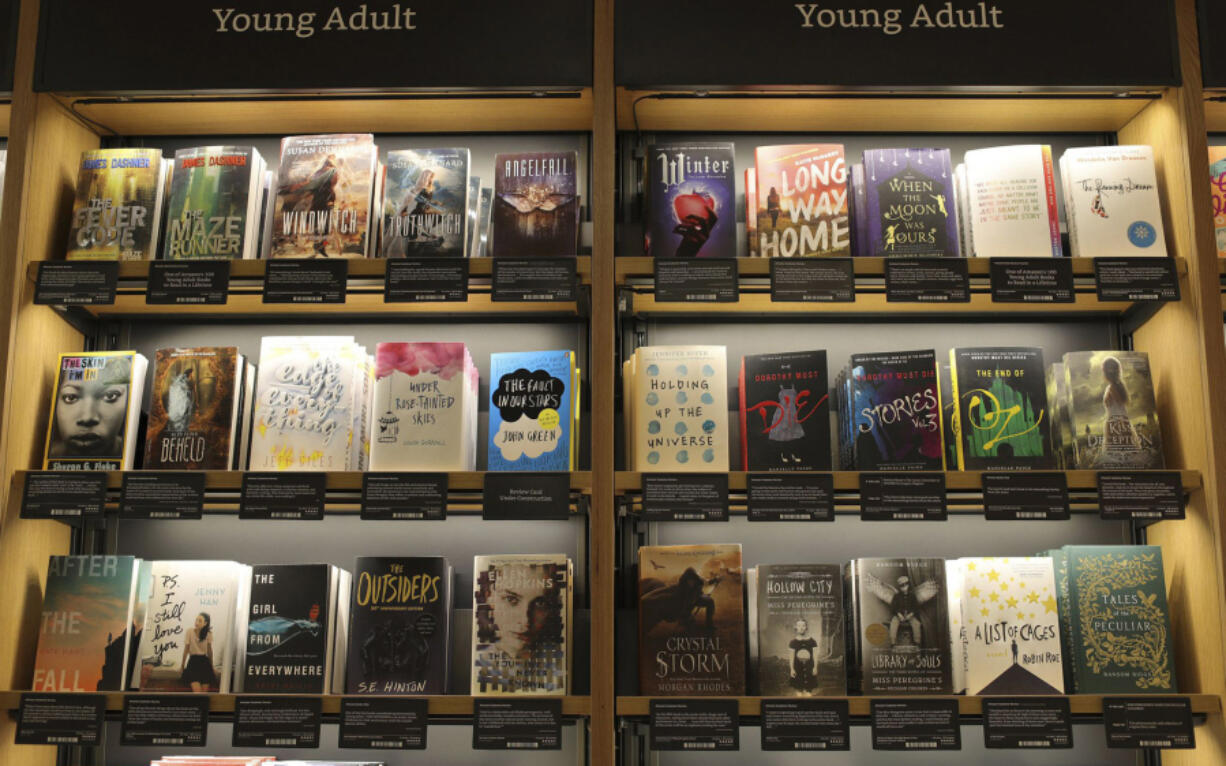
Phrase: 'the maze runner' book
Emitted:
{"points": [[117, 211], [95, 411], [1003, 422], [691, 621], [802, 200], [194, 413], [691, 199], [1112, 412], [425, 203], [910, 202], [533, 407], [896, 411], [785, 412], [536, 204], [85, 632], [213, 210], [800, 624], [325, 186], [400, 626]]}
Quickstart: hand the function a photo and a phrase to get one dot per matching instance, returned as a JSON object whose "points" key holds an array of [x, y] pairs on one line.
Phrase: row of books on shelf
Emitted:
{"points": [[331, 197], [989, 409], [111, 623], [314, 404], [242, 760], [1080, 619], [810, 200]]}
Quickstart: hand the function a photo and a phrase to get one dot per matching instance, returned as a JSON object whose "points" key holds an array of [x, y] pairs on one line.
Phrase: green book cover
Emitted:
{"points": [[1002, 420], [213, 204], [1059, 565], [1121, 629]]}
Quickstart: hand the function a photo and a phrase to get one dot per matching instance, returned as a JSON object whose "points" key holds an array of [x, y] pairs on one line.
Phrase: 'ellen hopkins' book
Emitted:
{"points": [[521, 632], [691, 198]]}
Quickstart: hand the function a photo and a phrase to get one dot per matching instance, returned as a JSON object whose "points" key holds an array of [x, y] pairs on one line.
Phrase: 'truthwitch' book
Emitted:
{"points": [[1003, 419], [785, 412], [536, 204], [800, 630], [400, 626], [425, 203], [910, 203], [896, 411], [691, 199], [194, 412]]}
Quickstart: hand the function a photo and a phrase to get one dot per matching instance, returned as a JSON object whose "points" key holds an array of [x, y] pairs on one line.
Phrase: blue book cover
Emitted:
{"points": [[691, 199], [530, 411], [910, 203], [425, 203]]}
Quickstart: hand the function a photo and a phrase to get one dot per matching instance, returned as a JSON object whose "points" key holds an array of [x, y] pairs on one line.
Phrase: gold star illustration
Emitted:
{"points": [[1032, 598], [992, 597], [1004, 586], [1011, 602], [1020, 617], [1050, 604], [974, 592], [985, 612], [970, 566], [993, 575]]}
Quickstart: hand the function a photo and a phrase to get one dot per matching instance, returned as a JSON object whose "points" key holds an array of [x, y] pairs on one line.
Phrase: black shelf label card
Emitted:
{"points": [[805, 725], [927, 280], [383, 723], [790, 496], [177, 283], [60, 719], [813, 280], [1020, 495], [1027, 722], [903, 497], [276, 722], [76, 283], [1032, 280], [534, 279], [151, 720], [425, 280], [685, 497], [516, 496], [915, 724], [695, 724], [285, 495], [1140, 495], [696, 280], [1136, 279], [162, 495], [397, 496], [1149, 722], [306, 280], [63, 494], [522, 724]]}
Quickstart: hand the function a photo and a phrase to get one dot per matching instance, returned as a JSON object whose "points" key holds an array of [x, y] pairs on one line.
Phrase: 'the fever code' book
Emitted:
{"points": [[117, 212]]}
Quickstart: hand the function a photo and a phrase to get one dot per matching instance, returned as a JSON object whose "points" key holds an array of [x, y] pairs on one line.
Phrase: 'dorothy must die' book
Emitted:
{"points": [[213, 209], [425, 203], [521, 632], [691, 621], [85, 631], [1112, 413], [194, 411], [325, 186], [536, 204], [95, 411], [117, 211], [1003, 422], [533, 404], [895, 411], [800, 625], [691, 199], [785, 412], [802, 200], [400, 626], [898, 623], [910, 203]]}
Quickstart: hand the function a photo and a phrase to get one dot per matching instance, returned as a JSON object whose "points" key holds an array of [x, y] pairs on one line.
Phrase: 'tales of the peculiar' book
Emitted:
{"points": [[213, 210], [117, 212], [691, 197], [536, 204], [194, 412], [800, 630], [785, 412], [425, 203], [802, 200], [911, 210]]}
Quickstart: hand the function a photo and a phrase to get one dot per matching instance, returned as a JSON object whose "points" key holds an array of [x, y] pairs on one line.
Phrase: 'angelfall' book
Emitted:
{"points": [[290, 629], [324, 187], [896, 409], [400, 626], [910, 199], [117, 211], [1003, 419], [425, 203], [195, 407], [897, 617], [691, 198], [785, 412], [1112, 412], [213, 210], [691, 621], [536, 204], [800, 630]]}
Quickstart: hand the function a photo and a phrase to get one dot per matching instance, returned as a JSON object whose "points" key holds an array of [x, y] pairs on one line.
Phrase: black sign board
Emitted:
{"points": [[805, 724], [383, 723], [276, 722], [306, 280], [287, 495], [425, 280], [392, 496], [701, 724], [1027, 722], [1011, 496], [685, 497], [188, 282], [1140, 495], [1136, 279], [8, 17], [696, 280], [63, 494], [922, 44], [927, 280], [1148, 722], [902, 497], [162, 495], [813, 280], [149, 720], [435, 43], [517, 724], [791, 497], [1212, 51], [76, 283], [60, 719], [919, 724], [1032, 280], [516, 496], [534, 279]]}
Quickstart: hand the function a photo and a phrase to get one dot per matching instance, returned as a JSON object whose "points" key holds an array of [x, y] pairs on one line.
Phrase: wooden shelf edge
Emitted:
{"points": [[632, 481]]}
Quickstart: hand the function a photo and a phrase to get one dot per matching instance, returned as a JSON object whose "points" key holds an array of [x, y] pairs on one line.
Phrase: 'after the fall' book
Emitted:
{"points": [[536, 204], [785, 412], [691, 199]]}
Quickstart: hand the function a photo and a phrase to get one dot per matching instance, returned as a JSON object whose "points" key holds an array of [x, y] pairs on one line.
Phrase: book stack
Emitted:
{"points": [[801, 198], [1111, 202], [1001, 415], [95, 411], [425, 203], [535, 206], [215, 203], [117, 211], [890, 412], [325, 193], [691, 199], [1009, 200], [785, 412], [1106, 412], [908, 203]]}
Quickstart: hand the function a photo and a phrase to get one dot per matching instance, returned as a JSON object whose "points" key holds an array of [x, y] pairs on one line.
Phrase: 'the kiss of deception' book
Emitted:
{"points": [[691, 197], [1112, 412], [910, 202], [785, 412], [1002, 413]]}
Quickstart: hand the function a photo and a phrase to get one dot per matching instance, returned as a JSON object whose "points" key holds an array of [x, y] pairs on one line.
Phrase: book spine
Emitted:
{"points": [[1049, 189], [956, 416], [744, 419]]}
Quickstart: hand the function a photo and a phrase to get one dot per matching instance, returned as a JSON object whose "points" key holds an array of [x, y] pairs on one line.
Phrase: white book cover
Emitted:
{"points": [[1112, 203], [188, 640], [681, 408], [957, 629], [1011, 198], [521, 625], [422, 408], [1012, 626]]}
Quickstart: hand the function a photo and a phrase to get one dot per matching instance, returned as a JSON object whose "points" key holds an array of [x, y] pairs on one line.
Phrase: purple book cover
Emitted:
{"points": [[910, 196], [859, 212], [691, 201], [897, 411]]}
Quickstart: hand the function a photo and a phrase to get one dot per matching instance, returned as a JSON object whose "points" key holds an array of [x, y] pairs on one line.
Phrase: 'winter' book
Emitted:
{"points": [[194, 412], [1111, 201], [785, 412], [425, 203], [117, 211], [325, 186], [800, 630], [95, 411], [536, 204], [1112, 412], [521, 625], [896, 411], [532, 411], [909, 194], [213, 210], [802, 200], [691, 198], [1011, 202], [1003, 422], [680, 408]]}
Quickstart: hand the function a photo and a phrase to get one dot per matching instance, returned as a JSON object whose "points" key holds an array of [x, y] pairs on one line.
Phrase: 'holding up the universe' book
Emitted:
{"points": [[95, 411], [194, 417], [213, 210], [800, 624], [785, 412], [425, 203], [678, 408], [1003, 423], [117, 212], [691, 198], [536, 204]]}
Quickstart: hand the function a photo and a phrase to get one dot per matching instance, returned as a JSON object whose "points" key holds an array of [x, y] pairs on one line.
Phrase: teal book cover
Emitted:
{"points": [[530, 411]]}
